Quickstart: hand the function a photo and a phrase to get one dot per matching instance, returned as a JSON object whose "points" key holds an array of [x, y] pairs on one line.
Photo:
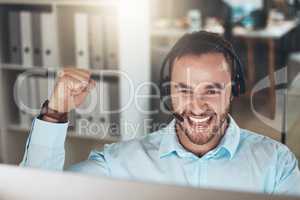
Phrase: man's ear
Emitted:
{"points": [[231, 97]]}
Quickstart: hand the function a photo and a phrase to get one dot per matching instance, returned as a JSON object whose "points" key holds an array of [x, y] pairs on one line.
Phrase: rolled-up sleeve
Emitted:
{"points": [[45, 145]]}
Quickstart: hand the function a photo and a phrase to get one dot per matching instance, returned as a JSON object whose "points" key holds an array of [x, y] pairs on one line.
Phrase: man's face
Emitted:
{"points": [[200, 92]]}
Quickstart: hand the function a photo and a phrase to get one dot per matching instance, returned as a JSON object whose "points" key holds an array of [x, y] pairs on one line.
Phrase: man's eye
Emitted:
{"points": [[212, 92], [185, 91]]}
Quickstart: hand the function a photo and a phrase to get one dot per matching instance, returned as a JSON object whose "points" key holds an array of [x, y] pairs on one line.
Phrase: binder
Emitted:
{"points": [[33, 97], [14, 37], [3, 29], [19, 41], [30, 37], [66, 37], [21, 52], [43, 91], [36, 39], [81, 40], [83, 116], [23, 102], [101, 113], [50, 55], [33, 90], [111, 41], [39, 92], [26, 38], [96, 42]]}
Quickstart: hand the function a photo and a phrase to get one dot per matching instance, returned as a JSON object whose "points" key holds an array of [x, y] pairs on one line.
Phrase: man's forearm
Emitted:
{"points": [[45, 145]]}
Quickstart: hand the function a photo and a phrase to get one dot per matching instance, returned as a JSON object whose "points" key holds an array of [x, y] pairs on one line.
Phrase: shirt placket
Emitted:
{"points": [[191, 168], [202, 173]]}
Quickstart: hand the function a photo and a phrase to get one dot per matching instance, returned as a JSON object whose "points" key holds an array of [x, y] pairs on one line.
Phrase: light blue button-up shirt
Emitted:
{"points": [[243, 160]]}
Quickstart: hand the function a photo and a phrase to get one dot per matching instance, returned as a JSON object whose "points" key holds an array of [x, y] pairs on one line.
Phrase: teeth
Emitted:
{"points": [[197, 120]]}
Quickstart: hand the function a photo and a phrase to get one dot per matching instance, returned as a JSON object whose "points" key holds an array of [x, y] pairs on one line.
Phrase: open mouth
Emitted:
{"points": [[202, 121]]}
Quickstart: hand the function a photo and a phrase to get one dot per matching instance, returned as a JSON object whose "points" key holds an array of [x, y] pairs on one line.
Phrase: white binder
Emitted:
{"points": [[15, 47], [101, 113], [36, 39], [81, 40], [111, 41], [83, 116], [38, 92], [26, 37], [50, 55], [33, 93], [96, 30], [43, 91], [23, 102], [28, 58]]}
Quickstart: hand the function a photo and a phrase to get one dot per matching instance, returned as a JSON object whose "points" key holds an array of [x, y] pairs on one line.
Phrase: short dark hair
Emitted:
{"points": [[199, 43]]}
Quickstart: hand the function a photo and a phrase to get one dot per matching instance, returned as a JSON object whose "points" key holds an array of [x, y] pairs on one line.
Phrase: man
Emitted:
{"points": [[202, 147]]}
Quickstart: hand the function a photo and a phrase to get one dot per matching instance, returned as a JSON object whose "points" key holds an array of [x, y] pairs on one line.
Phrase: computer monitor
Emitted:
{"points": [[20, 183]]}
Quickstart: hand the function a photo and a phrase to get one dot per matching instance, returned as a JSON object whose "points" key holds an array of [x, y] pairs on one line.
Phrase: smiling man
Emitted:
{"points": [[201, 97], [201, 147]]}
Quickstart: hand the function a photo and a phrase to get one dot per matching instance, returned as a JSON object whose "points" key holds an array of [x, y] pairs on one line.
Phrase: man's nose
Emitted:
{"points": [[198, 105]]}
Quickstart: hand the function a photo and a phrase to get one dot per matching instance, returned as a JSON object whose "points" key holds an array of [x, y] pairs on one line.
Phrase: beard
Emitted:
{"points": [[201, 132]]}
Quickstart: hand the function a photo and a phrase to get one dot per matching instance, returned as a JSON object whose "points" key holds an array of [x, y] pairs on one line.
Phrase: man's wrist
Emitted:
{"points": [[50, 115], [48, 119]]}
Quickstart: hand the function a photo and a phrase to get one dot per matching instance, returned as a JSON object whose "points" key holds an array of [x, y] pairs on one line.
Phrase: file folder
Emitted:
{"points": [[96, 30], [14, 29], [26, 38], [81, 40], [111, 41], [50, 55]]}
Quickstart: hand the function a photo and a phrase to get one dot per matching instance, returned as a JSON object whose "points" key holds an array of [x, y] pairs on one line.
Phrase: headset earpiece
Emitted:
{"points": [[235, 88]]}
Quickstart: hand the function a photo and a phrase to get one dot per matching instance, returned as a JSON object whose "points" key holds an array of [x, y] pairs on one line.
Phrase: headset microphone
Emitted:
{"points": [[178, 116]]}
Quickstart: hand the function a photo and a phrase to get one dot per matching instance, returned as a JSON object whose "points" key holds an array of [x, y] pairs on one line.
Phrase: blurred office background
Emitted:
{"points": [[40, 37]]}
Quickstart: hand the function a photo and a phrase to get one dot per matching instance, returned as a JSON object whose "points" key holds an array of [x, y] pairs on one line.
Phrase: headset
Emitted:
{"points": [[202, 38]]}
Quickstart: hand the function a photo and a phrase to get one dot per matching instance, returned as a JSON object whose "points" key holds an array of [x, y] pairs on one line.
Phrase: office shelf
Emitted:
{"points": [[18, 128], [129, 42], [16, 67], [63, 2], [71, 134], [105, 74]]}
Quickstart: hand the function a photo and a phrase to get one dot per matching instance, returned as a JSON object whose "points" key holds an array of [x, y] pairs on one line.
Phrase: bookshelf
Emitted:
{"points": [[116, 65]]}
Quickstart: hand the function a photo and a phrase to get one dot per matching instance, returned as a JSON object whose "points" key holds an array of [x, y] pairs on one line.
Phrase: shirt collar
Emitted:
{"points": [[170, 144]]}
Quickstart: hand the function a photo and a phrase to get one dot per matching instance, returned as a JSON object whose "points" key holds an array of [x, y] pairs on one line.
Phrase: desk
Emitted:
{"points": [[269, 35], [15, 184]]}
